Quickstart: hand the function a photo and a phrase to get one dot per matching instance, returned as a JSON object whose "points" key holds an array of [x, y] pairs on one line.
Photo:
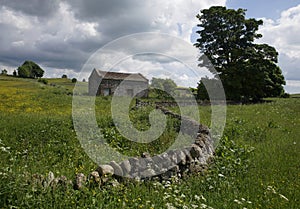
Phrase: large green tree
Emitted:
{"points": [[30, 69], [248, 71]]}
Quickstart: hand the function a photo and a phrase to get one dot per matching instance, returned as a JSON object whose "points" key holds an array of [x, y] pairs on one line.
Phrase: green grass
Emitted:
{"points": [[257, 162], [295, 95]]}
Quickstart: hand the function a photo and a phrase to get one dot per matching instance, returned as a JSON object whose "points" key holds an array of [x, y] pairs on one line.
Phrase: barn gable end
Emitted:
{"points": [[105, 83]]}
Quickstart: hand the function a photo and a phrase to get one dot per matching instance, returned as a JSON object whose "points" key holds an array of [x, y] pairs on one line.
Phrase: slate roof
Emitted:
{"points": [[121, 76]]}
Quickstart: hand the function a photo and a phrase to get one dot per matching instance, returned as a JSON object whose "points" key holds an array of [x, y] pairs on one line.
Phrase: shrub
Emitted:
{"points": [[30, 69], [43, 80]]}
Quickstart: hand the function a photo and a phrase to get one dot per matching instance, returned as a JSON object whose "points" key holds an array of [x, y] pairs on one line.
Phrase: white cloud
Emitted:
{"points": [[16, 19], [283, 34], [293, 86]]}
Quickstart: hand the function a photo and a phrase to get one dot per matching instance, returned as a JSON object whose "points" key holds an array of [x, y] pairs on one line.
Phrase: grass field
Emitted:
{"points": [[256, 166]]}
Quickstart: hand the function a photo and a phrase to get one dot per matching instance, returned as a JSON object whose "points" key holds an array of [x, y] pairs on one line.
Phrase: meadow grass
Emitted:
{"points": [[256, 165]]}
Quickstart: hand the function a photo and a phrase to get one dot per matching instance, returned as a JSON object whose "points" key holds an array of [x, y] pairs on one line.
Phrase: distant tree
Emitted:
{"points": [[4, 72], [163, 87], [15, 73], [83, 80], [167, 84], [201, 89], [29, 69], [74, 80], [247, 70], [64, 76], [205, 83]]}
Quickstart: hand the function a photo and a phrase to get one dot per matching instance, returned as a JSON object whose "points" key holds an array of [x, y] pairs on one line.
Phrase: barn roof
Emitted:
{"points": [[121, 76]]}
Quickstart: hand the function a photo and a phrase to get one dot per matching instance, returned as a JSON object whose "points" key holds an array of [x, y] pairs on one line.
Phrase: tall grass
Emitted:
{"points": [[256, 164]]}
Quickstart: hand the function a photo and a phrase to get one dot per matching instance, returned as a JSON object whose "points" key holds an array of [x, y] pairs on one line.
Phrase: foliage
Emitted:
{"points": [[43, 80], [29, 69], [163, 85], [74, 80], [247, 70], [204, 84], [4, 72], [64, 76]]}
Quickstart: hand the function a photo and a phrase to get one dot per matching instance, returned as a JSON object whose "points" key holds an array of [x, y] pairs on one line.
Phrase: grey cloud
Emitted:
{"points": [[32, 7], [154, 58], [95, 9], [290, 67], [67, 32]]}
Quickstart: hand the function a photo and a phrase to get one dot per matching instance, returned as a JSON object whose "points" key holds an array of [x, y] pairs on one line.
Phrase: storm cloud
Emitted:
{"points": [[61, 35]]}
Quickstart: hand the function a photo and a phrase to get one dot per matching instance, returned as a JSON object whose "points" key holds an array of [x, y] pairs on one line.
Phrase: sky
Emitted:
{"points": [[62, 35]]}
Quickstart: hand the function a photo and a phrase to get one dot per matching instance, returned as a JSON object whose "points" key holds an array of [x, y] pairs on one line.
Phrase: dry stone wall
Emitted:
{"points": [[179, 162]]}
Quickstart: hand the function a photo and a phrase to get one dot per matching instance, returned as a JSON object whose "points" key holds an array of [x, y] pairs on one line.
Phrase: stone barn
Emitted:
{"points": [[105, 83]]}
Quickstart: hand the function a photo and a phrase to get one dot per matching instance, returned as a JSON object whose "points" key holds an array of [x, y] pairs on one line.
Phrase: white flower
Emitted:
{"points": [[221, 175], [237, 201], [203, 205], [166, 196], [170, 206]]}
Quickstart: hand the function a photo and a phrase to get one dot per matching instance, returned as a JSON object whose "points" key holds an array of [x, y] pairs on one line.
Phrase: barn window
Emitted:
{"points": [[106, 91]]}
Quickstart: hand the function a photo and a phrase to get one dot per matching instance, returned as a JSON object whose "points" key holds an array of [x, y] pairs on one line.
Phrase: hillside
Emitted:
{"points": [[256, 164]]}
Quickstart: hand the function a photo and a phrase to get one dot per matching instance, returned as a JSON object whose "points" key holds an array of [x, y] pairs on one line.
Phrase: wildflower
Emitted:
{"points": [[270, 188], [5, 149], [170, 206], [197, 197], [166, 196], [203, 205], [221, 175], [237, 201]]}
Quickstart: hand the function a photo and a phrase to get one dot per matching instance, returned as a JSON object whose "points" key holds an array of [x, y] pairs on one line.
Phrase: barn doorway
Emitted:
{"points": [[106, 92]]}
